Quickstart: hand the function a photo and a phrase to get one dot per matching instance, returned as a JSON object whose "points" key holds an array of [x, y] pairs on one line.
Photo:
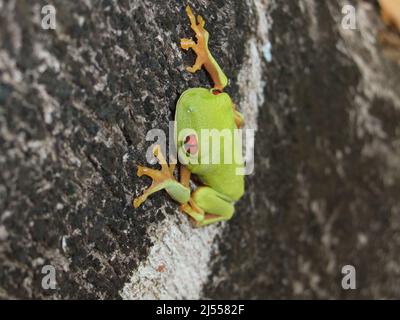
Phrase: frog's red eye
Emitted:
{"points": [[216, 92], [190, 145]]}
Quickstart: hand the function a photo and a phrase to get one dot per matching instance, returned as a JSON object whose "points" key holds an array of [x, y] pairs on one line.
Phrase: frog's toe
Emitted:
{"points": [[138, 201], [197, 215], [186, 44], [193, 68], [201, 21], [141, 171]]}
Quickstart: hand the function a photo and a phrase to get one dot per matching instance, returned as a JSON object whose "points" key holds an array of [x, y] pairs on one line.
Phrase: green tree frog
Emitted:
{"points": [[198, 109]]}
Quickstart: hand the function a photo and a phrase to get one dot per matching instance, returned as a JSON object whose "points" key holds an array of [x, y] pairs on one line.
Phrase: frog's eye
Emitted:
{"points": [[190, 144]]}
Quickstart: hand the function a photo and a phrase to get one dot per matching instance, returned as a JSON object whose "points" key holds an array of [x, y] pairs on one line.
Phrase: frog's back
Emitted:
{"points": [[199, 108]]}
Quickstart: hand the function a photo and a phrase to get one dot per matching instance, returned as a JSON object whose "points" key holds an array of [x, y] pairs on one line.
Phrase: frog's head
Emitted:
{"points": [[201, 113]]}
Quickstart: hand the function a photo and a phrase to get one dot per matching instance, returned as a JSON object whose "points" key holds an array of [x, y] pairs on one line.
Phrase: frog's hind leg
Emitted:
{"points": [[217, 206], [204, 56]]}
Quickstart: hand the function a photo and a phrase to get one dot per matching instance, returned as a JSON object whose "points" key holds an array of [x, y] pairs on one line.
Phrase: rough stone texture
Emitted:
{"points": [[76, 104]]}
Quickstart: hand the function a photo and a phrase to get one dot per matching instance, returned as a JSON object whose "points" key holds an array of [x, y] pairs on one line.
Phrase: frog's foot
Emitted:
{"points": [[203, 54], [162, 179], [201, 47]]}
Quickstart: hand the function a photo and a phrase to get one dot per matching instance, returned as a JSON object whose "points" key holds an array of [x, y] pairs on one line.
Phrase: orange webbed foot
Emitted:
{"points": [[204, 57]]}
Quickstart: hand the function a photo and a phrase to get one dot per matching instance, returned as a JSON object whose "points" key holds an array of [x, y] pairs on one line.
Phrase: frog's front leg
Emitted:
{"points": [[162, 179], [204, 56], [215, 206]]}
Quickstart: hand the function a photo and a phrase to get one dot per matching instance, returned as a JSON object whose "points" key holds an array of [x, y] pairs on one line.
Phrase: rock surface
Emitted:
{"points": [[76, 104]]}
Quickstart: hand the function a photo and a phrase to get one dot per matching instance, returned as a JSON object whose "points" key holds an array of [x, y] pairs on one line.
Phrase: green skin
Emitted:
{"points": [[197, 109]]}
